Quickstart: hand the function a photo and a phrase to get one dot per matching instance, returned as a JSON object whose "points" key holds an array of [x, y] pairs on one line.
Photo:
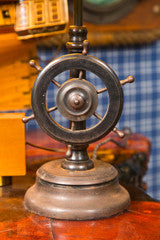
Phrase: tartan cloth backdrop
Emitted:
{"points": [[141, 110]]}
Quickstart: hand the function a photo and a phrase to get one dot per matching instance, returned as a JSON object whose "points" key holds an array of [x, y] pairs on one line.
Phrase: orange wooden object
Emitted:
{"points": [[141, 222], [12, 145], [109, 152], [17, 76]]}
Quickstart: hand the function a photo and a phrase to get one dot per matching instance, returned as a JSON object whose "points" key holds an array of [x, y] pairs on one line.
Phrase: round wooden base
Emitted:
{"points": [[77, 195]]}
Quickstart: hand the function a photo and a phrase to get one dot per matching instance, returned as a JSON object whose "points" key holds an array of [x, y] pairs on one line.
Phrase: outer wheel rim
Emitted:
{"points": [[77, 61]]}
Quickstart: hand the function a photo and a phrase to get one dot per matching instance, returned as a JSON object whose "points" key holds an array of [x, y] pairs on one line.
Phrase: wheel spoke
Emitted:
{"points": [[120, 134], [71, 125], [130, 79], [31, 117], [101, 90], [56, 83], [52, 109], [33, 64], [80, 75], [98, 116], [69, 151], [27, 119]]}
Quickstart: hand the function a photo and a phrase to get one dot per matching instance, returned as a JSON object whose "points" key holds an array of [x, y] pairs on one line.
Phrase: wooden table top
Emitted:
{"points": [[140, 222]]}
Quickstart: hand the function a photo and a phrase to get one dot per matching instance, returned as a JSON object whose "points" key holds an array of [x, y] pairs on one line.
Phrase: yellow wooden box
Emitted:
{"points": [[12, 145]]}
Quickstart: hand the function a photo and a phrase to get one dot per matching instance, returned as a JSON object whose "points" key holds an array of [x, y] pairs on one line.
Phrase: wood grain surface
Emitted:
{"points": [[136, 224], [140, 222]]}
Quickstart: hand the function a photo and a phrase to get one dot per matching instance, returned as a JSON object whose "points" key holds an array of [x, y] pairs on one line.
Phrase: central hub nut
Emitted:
{"points": [[77, 100]]}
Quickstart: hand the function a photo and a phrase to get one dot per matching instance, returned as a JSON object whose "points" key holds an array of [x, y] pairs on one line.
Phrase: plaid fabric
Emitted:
{"points": [[141, 99]]}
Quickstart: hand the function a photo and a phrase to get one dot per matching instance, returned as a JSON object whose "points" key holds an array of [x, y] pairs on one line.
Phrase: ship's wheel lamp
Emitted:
{"points": [[76, 187]]}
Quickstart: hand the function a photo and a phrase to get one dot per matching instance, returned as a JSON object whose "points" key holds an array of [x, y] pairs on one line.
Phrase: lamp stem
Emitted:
{"points": [[78, 13]]}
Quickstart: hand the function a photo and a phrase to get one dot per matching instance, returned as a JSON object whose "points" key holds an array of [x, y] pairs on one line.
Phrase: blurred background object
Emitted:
{"points": [[106, 11], [41, 18], [30, 19], [121, 22]]}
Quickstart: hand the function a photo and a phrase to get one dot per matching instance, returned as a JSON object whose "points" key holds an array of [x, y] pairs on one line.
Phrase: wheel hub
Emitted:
{"points": [[77, 100]]}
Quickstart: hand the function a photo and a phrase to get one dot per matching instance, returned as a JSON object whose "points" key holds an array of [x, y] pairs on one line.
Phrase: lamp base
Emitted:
{"points": [[76, 195]]}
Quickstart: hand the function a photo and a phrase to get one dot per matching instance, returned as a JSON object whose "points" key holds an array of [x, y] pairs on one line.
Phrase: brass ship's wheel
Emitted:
{"points": [[77, 99], [64, 185], [75, 187]]}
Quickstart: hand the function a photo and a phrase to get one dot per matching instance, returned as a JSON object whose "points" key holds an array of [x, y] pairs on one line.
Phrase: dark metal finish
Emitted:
{"points": [[31, 117], [78, 160], [33, 64], [56, 83], [77, 188], [85, 47], [89, 63], [120, 133], [77, 195], [77, 100], [78, 13], [98, 116], [77, 35], [53, 172], [129, 79], [27, 119], [80, 164]]}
